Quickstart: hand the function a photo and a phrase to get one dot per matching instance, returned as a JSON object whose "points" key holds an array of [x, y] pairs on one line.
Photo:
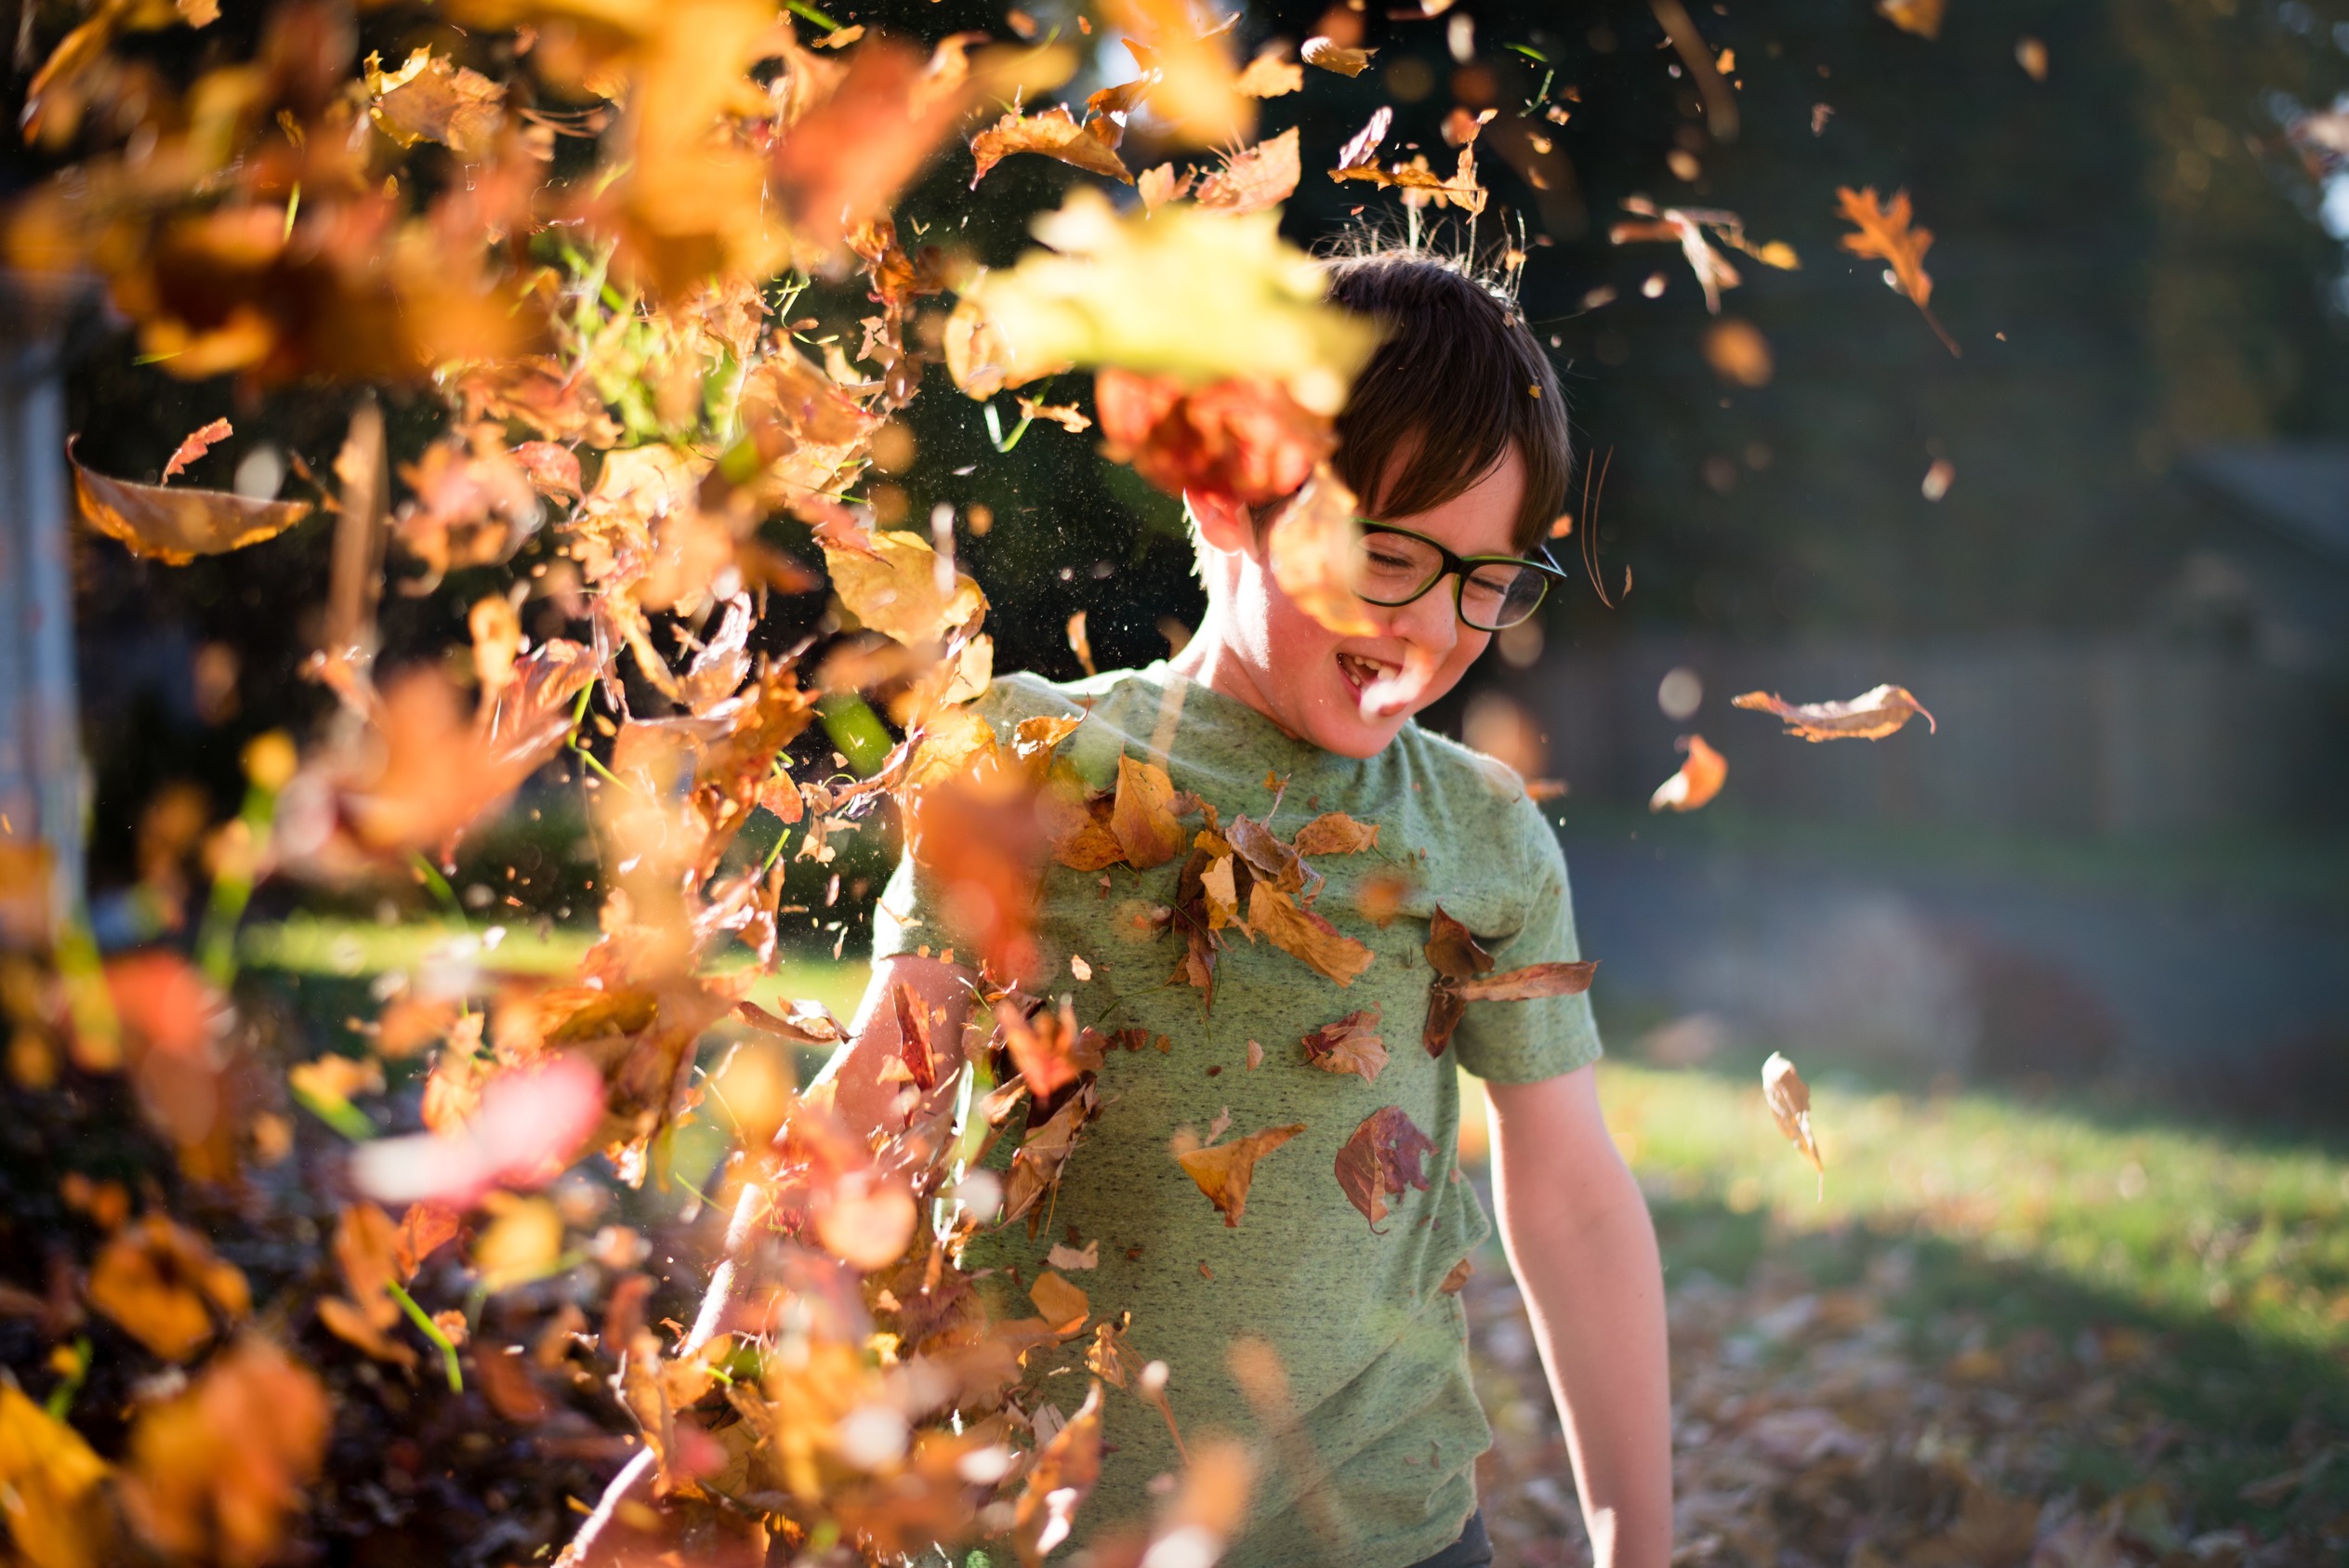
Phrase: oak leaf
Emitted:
{"points": [[1305, 935], [1351, 1045], [1884, 232], [1225, 1170], [176, 526], [1383, 1158], [1871, 715], [1699, 779]]}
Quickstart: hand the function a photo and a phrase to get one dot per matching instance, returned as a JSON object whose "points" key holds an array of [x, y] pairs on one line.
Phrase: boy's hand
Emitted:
{"points": [[1579, 1237]]}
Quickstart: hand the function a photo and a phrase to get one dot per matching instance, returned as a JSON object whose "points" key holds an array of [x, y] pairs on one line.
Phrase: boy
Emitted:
{"points": [[1455, 438]]}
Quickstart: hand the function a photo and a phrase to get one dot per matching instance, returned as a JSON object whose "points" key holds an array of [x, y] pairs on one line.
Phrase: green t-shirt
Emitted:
{"points": [[1378, 1471]]}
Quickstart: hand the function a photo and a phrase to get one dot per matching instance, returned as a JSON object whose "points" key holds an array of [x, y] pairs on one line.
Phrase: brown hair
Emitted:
{"points": [[1457, 381]]}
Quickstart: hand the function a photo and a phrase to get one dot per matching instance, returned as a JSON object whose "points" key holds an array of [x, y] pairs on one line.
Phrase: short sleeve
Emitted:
{"points": [[1524, 1042]]}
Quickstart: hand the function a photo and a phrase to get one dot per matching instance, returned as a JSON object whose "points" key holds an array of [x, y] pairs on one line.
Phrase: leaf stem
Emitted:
{"points": [[430, 1330]]}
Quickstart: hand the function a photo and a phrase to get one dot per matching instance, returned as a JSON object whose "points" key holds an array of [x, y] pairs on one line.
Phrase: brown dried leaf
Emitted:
{"points": [[1225, 1170], [1871, 715], [1919, 17], [1262, 175], [1269, 859], [1305, 935], [1142, 817], [430, 100], [1159, 184], [912, 1036], [1885, 234], [1269, 74], [1452, 950], [1091, 146], [1420, 184], [895, 590], [1534, 980], [162, 1283], [1699, 779], [1246, 439], [1061, 1477], [1334, 833], [1331, 55], [176, 526], [214, 1474], [194, 446], [1789, 1101], [1351, 1045], [1063, 1305], [1382, 1159]]}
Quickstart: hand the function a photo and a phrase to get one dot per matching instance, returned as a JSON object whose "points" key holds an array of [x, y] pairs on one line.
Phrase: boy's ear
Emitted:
{"points": [[1223, 523]]}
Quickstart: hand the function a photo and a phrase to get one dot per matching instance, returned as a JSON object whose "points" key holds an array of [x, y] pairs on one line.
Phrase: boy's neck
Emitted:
{"points": [[1209, 660]]}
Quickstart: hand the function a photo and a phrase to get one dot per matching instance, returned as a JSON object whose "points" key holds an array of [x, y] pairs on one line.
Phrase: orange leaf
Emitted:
{"points": [[1049, 1051], [1091, 146], [1334, 833], [1381, 1160], [1064, 1306], [1143, 816], [1699, 779], [1262, 175], [1247, 438], [195, 445], [215, 1473], [162, 1282], [1305, 935], [55, 1509], [1351, 1045], [1534, 980], [1921, 17], [176, 526], [912, 1036], [1224, 1171], [1331, 55], [1871, 715], [1885, 234], [1312, 547], [1269, 74]]}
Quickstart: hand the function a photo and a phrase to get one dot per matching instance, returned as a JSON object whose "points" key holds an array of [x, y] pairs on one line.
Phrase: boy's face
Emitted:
{"points": [[1259, 646]]}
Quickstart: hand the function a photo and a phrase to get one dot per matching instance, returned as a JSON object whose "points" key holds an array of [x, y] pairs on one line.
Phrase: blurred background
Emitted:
{"points": [[2071, 971]]}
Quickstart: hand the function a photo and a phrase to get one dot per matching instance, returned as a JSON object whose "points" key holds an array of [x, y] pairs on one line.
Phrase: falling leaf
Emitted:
{"points": [[162, 1283], [1361, 150], [1921, 17], [1739, 352], [1090, 145], [1036, 1164], [1420, 184], [1687, 228], [367, 1249], [176, 526], [214, 1474], [530, 1125], [1351, 1045], [1066, 415], [1331, 55], [50, 1481], [1789, 1101], [1699, 778], [1143, 817], [430, 100], [1334, 833], [1380, 896], [1871, 715], [1402, 690], [195, 445], [1269, 74], [1230, 300], [2031, 55], [1064, 1306], [1059, 1479], [1160, 184], [1048, 1051], [1246, 441], [1080, 644], [1305, 935], [912, 1036], [894, 589], [1381, 1160], [1259, 177], [498, 641], [1884, 233], [1939, 478], [1224, 1170], [1312, 547]]}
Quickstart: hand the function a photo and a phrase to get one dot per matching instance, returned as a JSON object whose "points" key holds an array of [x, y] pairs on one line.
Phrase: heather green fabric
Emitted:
{"points": [[1379, 1473]]}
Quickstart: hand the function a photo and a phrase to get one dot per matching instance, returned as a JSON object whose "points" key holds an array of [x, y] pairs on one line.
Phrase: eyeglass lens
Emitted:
{"points": [[1395, 568]]}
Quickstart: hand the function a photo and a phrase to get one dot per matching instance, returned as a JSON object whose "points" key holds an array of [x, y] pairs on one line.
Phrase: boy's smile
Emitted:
{"points": [[1345, 694]]}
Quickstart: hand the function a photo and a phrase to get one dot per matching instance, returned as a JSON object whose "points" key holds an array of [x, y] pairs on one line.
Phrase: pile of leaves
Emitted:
{"points": [[588, 232]]}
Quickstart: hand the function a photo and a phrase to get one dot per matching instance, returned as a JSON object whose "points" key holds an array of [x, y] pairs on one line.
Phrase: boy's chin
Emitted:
{"points": [[1342, 728]]}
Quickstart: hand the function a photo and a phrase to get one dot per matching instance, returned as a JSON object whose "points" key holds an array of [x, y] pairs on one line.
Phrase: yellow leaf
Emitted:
{"points": [[162, 1282], [895, 590], [176, 526], [1064, 1306], [1224, 1171], [1304, 935], [49, 1488], [1143, 816]]}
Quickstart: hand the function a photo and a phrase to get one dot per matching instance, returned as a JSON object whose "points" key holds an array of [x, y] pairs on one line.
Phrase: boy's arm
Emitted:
{"points": [[1577, 1233], [863, 1098]]}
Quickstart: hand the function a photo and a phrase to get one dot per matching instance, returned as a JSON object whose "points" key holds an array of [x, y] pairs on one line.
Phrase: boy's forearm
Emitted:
{"points": [[1579, 1239]]}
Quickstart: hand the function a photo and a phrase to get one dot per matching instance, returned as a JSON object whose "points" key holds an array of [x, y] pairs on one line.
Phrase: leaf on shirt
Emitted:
{"points": [[1268, 859], [913, 1038], [1334, 833], [1699, 779], [1379, 897], [1143, 816], [1077, 823], [1789, 1101], [1305, 935], [1533, 980], [1048, 1051], [1197, 916], [1063, 1256], [1871, 715], [1383, 1158], [1224, 1170], [1035, 1164], [1351, 1045]]}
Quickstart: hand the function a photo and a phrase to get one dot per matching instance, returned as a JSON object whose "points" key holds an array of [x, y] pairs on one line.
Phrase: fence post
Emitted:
{"points": [[43, 787]]}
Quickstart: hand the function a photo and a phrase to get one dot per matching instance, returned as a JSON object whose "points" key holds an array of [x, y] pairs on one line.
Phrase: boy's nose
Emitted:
{"points": [[1429, 620]]}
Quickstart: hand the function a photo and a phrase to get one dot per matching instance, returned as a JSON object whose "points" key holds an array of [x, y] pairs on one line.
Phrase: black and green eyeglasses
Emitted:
{"points": [[1393, 566]]}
